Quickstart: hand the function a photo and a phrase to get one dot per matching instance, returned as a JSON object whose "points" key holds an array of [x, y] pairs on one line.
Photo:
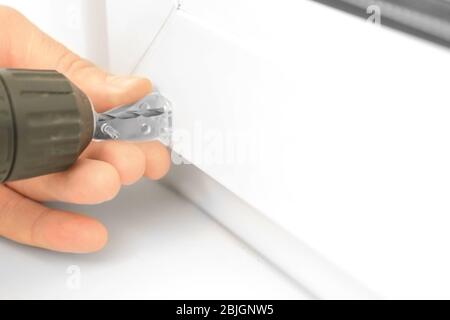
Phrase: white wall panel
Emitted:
{"points": [[132, 25], [349, 125]]}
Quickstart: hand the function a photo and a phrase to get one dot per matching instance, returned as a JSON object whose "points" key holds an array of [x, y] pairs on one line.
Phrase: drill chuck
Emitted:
{"points": [[45, 123]]}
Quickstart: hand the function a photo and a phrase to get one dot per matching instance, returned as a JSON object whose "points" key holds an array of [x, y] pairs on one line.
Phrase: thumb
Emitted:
{"points": [[105, 90], [30, 48]]}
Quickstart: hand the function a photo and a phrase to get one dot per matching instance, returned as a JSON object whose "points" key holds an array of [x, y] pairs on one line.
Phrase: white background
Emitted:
{"points": [[353, 124], [345, 124]]}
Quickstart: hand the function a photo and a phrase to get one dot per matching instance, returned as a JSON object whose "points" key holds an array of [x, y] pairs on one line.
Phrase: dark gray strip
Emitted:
{"points": [[428, 19]]}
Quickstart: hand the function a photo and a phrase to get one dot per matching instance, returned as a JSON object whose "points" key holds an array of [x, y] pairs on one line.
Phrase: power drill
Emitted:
{"points": [[46, 122]]}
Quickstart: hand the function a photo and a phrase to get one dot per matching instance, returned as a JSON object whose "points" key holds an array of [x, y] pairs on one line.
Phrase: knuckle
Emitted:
{"points": [[69, 63], [33, 236], [9, 202]]}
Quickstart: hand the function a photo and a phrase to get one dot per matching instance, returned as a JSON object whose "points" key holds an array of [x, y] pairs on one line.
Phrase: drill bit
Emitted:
{"points": [[147, 119]]}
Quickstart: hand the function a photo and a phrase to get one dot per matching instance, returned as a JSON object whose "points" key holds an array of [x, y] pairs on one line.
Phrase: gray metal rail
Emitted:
{"points": [[429, 19]]}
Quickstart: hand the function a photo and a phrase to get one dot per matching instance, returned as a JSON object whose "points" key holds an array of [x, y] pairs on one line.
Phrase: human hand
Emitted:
{"points": [[99, 172]]}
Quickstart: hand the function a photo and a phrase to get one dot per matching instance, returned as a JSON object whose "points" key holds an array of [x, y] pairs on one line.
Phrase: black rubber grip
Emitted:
{"points": [[7, 145], [50, 123]]}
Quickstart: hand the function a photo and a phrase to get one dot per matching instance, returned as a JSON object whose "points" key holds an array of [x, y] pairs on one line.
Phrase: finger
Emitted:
{"points": [[157, 159], [126, 158], [25, 46], [86, 182], [28, 222]]}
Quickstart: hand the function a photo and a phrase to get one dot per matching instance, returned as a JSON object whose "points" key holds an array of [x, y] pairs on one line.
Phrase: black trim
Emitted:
{"points": [[431, 10]]}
